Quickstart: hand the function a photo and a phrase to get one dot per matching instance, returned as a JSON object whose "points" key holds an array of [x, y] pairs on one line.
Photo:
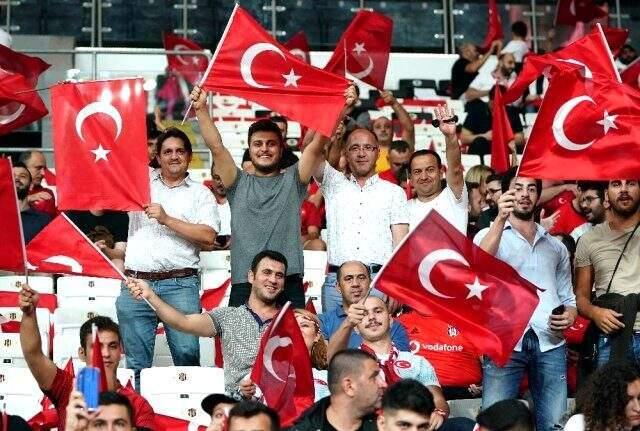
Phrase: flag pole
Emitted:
{"points": [[606, 44], [213, 59]]}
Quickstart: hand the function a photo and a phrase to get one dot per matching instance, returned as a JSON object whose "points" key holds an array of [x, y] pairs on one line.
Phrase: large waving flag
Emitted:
{"points": [[12, 254], [191, 66]]}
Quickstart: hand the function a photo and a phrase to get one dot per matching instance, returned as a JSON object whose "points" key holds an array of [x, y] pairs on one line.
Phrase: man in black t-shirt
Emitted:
{"points": [[107, 229], [465, 69], [33, 221]]}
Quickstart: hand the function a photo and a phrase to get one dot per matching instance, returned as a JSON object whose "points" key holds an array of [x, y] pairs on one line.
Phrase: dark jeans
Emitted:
{"points": [[293, 291]]}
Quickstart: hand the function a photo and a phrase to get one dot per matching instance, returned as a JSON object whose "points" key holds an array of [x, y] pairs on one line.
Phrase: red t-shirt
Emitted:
{"points": [[309, 216], [388, 175], [45, 205], [557, 201], [143, 415], [568, 220], [456, 361]]}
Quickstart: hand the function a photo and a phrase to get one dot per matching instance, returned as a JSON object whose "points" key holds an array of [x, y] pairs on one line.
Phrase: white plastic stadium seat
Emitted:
{"points": [[162, 354], [315, 271], [178, 391], [75, 288], [19, 391], [12, 283], [216, 268], [10, 347]]}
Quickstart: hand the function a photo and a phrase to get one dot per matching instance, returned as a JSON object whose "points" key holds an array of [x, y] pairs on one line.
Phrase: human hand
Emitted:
{"points": [[607, 320], [199, 98], [40, 196], [355, 314], [28, 299], [560, 322], [78, 417], [388, 97], [139, 289], [442, 113], [155, 211], [350, 96], [548, 222], [247, 388], [506, 204]]}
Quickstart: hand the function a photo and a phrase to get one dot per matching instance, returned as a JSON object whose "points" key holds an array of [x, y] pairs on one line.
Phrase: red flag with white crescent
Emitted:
{"points": [[570, 12], [190, 66], [438, 270], [20, 104], [299, 46]]}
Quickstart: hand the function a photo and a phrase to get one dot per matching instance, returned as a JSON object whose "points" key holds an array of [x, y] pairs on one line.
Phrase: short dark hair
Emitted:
{"points": [[21, 165], [345, 362], [271, 254], [519, 28], [279, 119], [246, 156], [265, 125], [494, 177], [339, 271], [249, 409], [109, 398], [408, 394], [598, 186], [506, 415], [510, 174], [173, 132], [103, 323], [399, 146], [421, 153]]}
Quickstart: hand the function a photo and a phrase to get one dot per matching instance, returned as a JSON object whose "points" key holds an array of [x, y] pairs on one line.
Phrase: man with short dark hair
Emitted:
{"points": [[591, 201], [33, 220], [406, 405], [383, 129], [356, 386], [506, 415], [114, 413], [504, 74], [399, 155], [163, 247], [265, 206], [239, 328], [40, 198], [518, 44], [253, 416], [55, 382], [493, 186]]}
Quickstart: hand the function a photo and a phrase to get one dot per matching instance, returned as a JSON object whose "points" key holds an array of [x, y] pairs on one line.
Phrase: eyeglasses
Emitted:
{"points": [[367, 148], [588, 199]]}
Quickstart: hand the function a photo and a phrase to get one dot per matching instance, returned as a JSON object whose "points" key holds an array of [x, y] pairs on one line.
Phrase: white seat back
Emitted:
{"points": [[40, 283], [19, 391]]}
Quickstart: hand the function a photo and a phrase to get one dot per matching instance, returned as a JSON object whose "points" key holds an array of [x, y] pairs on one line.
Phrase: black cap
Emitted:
{"points": [[211, 401]]}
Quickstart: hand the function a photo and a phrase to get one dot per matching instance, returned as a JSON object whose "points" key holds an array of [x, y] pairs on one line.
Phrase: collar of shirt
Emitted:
{"points": [[156, 175], [369, 182], [541, 233], [339, 311], [257, 318]]}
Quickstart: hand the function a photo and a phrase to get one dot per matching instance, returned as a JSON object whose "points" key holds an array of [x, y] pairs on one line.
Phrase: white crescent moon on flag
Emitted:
{"points": [[66, 261], [560, 118], [94, 108], [430, 260], [587, 71], [181, 47], [273, 344], [247, 60], [363, 73], [572, 7], [6, 119]]}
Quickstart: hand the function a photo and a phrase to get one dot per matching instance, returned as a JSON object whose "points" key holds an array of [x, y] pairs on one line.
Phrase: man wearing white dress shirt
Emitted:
{"points": [[366, 216], [163, 248], [426, 170]]}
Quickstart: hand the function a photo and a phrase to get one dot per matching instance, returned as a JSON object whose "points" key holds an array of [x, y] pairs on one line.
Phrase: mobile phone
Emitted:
{"points": [[88, 382], [558, 310]]}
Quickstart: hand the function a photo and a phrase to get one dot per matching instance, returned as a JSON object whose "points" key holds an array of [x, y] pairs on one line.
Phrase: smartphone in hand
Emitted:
{"points": [[88, 382]]}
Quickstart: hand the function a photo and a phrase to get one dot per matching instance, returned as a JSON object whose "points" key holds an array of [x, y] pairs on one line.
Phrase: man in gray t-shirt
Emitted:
{"points": [[265, 206]]}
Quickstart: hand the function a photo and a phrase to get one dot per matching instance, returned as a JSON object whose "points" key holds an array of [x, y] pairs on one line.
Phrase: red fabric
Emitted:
{"points": [[62, 386], [168, 423], [388, 175], [568, 220], [283, 368], [557, 201], [494, 29], [502, 134], [49, 177], [29, 67], [570, 12], [631, 75], [252, 65], [367, 42], [11, 241], [88, 116], [10, 327], [598, 138], [45, 205], [69, 368], [97, 361], [19, 105], [190, 66], [310, 215], [461, 284], [616, 37], [455, 359], [60, 248], [310, 307], [590, 50], [388, 367], [47, 300], [211, 298], [298, 45]]}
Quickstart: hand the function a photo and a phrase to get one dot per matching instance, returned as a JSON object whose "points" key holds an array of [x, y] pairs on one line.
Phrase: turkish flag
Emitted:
{"points": [[61, 248], [191, 66], [590, 54], [631, 75], [366, 44], [437, 270], [211, 298], [29, 67], [283, 368], [591, 126], [616, 37], [494, 30], [100, 142], [169, 423], [570, 12], [501, 133], [252, 65], [97, 361], [19, 103], [12, 254], [49, 177], [299, 46]]}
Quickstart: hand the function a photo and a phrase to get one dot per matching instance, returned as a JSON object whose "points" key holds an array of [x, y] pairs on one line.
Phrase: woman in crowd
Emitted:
{"points": [[315, 342]]}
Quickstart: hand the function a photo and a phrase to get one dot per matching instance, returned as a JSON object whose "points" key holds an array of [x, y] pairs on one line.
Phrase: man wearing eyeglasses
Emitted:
{"points": [[493, 193], [591, 206], [366, 216]]}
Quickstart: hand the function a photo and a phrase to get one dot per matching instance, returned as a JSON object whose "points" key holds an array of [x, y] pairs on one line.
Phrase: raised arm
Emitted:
{"points": [[455, 178], [224, 165], [42, 368], [491, 241], [474, 66], [408, 132], [196, 324], [340, 339]]}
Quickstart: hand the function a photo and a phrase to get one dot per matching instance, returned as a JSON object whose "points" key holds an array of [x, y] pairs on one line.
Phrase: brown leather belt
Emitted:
{"points": [[155, 276]]}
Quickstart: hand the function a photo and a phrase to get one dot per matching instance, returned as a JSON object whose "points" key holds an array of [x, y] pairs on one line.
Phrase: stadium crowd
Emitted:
{"points": [[377, 364]]}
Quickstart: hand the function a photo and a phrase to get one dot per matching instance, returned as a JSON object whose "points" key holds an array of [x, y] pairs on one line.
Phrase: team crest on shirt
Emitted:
{"points": [[403, 364], [452, 331]]}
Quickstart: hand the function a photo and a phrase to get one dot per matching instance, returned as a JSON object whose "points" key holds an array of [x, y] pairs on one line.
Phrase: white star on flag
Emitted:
{"points": [[359, 48], [291, 79], [476, 289], [608, 122], [100, 153]]}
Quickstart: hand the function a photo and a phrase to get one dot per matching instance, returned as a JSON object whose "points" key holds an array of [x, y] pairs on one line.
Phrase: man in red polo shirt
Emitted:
{"points": [[40, 198], [57, 384], [398, 157]]}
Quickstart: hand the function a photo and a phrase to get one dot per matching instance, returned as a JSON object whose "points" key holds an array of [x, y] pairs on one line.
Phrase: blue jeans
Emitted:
{"points": [[331, 297], [604, 349], [138, 323], [547, 373]]}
